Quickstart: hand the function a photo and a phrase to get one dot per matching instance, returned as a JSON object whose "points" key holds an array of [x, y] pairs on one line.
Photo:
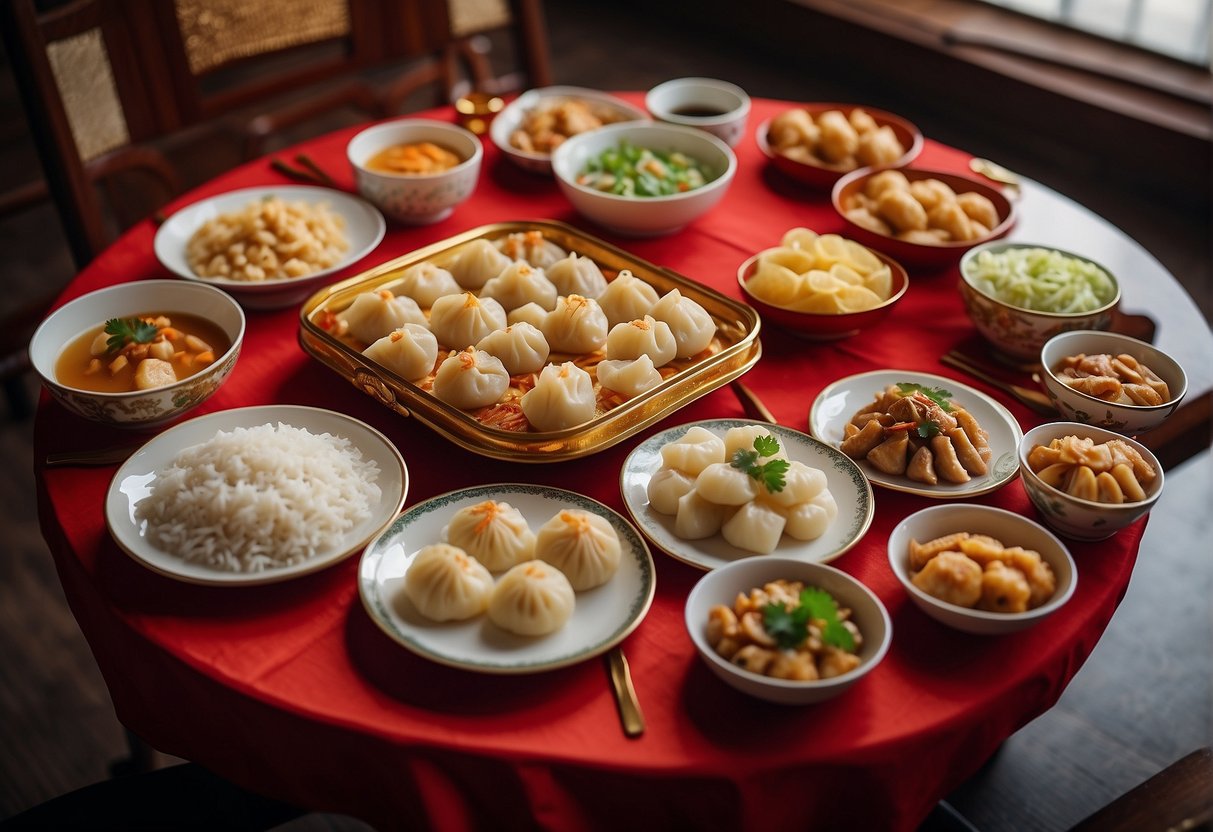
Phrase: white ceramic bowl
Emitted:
{"points": [[143, 408], [721, 585], [1019, 332], [1010, 528], [1076, 406], [416, 199], [718, 107], [640, 216], [511, 119], [1077, 518]]}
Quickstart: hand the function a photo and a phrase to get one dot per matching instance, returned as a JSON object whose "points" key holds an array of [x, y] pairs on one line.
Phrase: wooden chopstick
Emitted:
{"points": [[297, 174], [306, 161]]}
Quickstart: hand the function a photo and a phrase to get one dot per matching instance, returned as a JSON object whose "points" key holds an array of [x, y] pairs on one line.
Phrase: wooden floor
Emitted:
{"points": [[1143, 700]]}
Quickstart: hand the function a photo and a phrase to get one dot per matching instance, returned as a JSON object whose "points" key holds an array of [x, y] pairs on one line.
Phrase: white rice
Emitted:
{"points": [[259, 498]]}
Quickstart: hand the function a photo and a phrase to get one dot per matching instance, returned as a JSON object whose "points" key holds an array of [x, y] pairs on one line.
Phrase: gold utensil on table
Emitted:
{"points": [[625, 694], [994, 171], [1035, 400], [751, 404], [90, 457]]}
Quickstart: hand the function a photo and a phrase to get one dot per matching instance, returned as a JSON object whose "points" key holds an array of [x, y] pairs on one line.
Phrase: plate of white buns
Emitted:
{"points": [[508, 578], [690, 494]]}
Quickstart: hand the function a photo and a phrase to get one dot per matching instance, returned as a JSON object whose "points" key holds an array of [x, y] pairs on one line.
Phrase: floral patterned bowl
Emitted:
{"points": [[142, 408], [1073, 516], [1077, 406], [416, 199], [1017, 332]]}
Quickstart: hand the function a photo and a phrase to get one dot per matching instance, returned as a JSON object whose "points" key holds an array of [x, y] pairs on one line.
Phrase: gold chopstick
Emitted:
{"points": [[625, 694], [297, 174], [306, 161]]}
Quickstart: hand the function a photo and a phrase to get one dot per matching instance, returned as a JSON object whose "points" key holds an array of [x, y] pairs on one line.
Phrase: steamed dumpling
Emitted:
{"points": [[576, 325], [425, 282], [801, 484], [691, 324], [756, 527], [445, 583], [693, 451], [582, 545], [724, 485], [519, 284], [742, 439], [809, 520], [563, 396], [531, 247], [667, 487], [530, 313], [495, 533], [374, 314], [629, 377], [696, 517], [626, 298], [521, 348], [470, 379], [532, 599], [409, 352], [576, 275], [478, 263], [644, 336], [462, 320]]}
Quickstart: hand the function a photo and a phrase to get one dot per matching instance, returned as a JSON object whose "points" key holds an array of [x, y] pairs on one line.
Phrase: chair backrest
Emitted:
{"points": [[103, 80]]}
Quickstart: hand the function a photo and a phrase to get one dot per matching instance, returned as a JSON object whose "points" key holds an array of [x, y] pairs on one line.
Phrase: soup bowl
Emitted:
{"points": [[416, 199], [138, 408]]}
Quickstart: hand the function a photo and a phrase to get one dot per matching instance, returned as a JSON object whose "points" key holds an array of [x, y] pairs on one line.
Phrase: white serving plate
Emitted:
{"points": [[602, 617], [856, 505], [135, 478], [838, 402], [510, 119], [364, 229]]}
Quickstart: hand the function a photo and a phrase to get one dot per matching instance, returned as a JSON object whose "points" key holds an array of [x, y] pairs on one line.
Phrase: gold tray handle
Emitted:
{"points": [[377, 388]]}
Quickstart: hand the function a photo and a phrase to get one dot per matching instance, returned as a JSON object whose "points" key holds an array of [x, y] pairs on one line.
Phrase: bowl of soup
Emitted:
{"points": [[139, 354], [415, 170]]}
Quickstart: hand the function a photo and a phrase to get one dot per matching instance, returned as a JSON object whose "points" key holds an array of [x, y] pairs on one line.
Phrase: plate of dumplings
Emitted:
{"points": [[508, 578], [919, 433], [716, 491]]}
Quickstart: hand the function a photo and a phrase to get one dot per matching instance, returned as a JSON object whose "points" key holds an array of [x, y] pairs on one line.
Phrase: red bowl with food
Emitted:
{"points": [[823, 326], [923, 218], [801, 147]]}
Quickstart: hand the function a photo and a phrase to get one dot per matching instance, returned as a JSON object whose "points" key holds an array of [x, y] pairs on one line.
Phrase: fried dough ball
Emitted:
{"points": [[978, 208], [883, 181], [792, 128], [951, 577], [839, 140], [901, 210], [932, 192], [878, 147]]}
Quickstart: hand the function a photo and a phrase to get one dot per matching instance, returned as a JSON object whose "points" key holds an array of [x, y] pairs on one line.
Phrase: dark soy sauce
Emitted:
{"points": [[697, 111]]}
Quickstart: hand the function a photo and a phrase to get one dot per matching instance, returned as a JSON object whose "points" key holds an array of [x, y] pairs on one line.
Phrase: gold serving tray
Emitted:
{"points": [[737, 328]]}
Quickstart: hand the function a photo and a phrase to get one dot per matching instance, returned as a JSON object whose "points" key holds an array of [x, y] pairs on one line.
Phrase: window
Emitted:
{"points": [[1175, 28]]}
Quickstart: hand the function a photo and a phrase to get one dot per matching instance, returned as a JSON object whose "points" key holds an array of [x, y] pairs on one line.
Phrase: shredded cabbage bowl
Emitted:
{"points": [[1040, 279]]}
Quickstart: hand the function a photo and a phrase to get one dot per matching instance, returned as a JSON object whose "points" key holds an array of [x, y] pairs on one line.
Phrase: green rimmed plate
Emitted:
{"points": [[856, 505], [602, 617]]}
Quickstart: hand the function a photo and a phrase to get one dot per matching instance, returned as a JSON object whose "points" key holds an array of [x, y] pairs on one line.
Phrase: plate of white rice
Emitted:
{"points": [[255, 495]]}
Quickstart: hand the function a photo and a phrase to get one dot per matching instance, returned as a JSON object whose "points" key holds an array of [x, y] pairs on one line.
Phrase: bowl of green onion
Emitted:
{"points": [[1019, 295], [644, 179]]}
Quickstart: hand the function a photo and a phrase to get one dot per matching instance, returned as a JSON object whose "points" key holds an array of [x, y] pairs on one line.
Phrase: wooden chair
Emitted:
{"points": [[108, 84]]}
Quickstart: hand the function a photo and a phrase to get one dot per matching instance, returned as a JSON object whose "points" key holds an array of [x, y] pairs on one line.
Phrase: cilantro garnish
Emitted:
{"points": [[789, 627], [928, 428], [128, 330], [770, 474], [936, 394]]}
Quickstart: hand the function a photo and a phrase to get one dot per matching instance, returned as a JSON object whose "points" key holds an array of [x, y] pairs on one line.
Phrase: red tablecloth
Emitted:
{"points": [[291, 689]]}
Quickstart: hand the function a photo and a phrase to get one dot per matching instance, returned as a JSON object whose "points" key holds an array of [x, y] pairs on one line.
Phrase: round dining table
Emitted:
{"points": [[291, 690]]}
